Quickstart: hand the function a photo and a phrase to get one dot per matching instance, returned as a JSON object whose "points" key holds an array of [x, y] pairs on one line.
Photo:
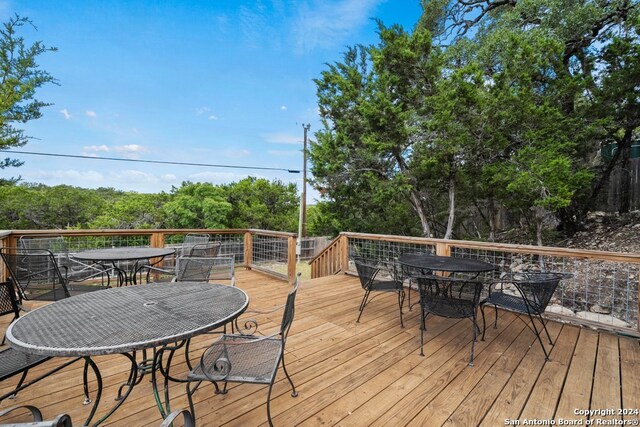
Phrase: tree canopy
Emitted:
{"points": [[20, 76], [483, 106]]}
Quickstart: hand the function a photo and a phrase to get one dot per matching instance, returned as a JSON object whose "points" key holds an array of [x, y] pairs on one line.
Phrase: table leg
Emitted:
{"points": [[121, 398], [164, 369]]}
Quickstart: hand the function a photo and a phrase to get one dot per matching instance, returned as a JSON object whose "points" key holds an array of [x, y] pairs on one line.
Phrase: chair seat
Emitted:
{"points": [[385, 285], [510, 302], [252, 361], [13, 362], [446, 307]]}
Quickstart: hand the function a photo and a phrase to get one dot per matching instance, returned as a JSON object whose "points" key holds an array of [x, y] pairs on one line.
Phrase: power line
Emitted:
{"points": [[161, 162]]}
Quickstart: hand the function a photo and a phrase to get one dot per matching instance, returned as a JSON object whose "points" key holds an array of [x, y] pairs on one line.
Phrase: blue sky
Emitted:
{"points": [[218, 82]]}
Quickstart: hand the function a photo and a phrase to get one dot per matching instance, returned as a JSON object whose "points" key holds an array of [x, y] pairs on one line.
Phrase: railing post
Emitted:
{"points": [[248, 249], [291, 258], [344, 253], [443, 249], [157, 240]]}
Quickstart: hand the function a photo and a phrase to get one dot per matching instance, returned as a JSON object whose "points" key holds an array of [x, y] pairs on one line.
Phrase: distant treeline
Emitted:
{"points": [[249, 203]]}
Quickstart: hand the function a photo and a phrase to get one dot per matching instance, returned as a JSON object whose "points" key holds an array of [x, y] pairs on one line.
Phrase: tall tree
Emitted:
{"points": [[20, 76]]}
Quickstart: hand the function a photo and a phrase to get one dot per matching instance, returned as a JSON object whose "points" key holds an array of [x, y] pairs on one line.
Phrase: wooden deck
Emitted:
{"points": [[371, 373]]}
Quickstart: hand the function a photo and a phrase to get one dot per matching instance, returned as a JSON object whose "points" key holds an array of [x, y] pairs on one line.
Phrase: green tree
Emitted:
{"points": [[259, 203], [373, 105], [131, 211], [20, 76], [197, 205]]}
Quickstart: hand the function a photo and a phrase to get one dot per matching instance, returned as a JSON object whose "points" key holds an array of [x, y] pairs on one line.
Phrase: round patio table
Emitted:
{"points": [[126, 273], [123, 320], [445, 263]]}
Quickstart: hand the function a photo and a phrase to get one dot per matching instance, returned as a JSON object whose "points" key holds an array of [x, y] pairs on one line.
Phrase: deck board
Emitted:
{"points": [[371, 372]]}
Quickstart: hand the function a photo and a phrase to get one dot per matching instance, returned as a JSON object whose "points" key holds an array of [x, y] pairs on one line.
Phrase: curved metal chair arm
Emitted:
{"points": [[62, 420], [35, 412], [188, 418], [222, 365]]}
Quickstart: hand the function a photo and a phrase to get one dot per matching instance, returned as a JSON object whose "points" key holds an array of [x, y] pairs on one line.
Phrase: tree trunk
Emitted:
{"points": [[452, 208], [625, 173], [417, 206]]}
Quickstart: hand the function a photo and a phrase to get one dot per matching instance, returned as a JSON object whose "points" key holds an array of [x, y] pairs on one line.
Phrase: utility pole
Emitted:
{"points": [[304, 182]]}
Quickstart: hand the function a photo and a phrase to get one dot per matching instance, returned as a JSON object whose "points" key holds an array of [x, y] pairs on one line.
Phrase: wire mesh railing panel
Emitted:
{"points": [[382, 250], [271, 253], [597, 290]]}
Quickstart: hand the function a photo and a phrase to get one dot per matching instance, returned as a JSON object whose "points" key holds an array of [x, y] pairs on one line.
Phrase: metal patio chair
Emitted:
{"points": [[524, 293], [409, 273], [14, 362], [193, 269], [245, 358], [38, 276], [449, 297], [62, 420], [224, 269], [192, 239], [370, 272], [76, 270]]}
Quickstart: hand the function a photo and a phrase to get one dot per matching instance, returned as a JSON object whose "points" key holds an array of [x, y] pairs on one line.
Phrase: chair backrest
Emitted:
{"points": [[192, 239], [536, 288], [224, 268], [367, 270], [289, 310], [8, 300], [54, 244], [193, 269], [33, 270], [449, 296], [209, 249]]}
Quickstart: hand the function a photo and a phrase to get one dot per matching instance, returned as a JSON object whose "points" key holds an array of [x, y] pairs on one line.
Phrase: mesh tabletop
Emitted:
{"points": [[128, 318], [445, 263], [122, 254]]}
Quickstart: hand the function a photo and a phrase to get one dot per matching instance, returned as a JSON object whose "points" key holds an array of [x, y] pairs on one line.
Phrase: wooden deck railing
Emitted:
{"points": [[271, 252], [603, 291]]}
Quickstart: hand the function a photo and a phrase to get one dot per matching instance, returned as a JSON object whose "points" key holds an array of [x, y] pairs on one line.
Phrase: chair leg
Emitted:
{"points": [[400, 303], [423, 328], [269, 404], [473, 341], [294, 393], [190, 392], [535, 330], [484, 322], [362, 304]]}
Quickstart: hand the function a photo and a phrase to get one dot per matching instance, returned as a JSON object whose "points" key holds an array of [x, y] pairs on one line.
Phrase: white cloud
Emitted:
{"points": [[65, 113], [90, 113], [169, 178], [90, 148], [131, 151], [283, 108], [202, 110], [212, 117], [283, 138], [324, 24]]}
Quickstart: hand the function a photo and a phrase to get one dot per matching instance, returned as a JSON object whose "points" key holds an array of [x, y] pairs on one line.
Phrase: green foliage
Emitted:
{"points": [[249, 203], [510, 114], [20, 76], [258, 203]]}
